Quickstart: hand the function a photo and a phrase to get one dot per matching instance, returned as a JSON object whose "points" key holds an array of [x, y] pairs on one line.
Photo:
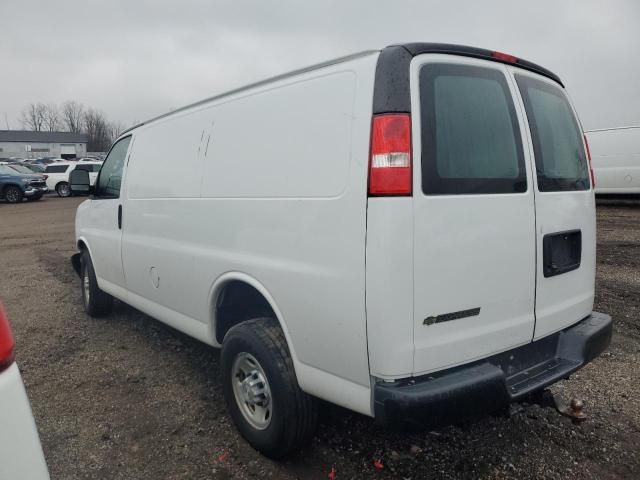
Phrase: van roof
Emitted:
{"points": [[411, 49], [463, 50], [257, 84], [391, 89], [627, 127]]}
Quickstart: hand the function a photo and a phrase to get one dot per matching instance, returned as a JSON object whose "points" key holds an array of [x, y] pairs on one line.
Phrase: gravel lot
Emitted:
{"points": [[126, 397]]}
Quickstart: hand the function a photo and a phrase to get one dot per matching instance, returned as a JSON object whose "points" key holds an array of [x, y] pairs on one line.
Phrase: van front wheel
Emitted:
{"points": [[96, 302], [261, 389]]}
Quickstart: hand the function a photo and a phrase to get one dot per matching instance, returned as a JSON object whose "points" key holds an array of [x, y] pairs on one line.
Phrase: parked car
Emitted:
{"points": [[46, 160], [21, 454], [15, 186], [616, 159], [408, 233], [58, 175], [34, 167], [25, 169]]}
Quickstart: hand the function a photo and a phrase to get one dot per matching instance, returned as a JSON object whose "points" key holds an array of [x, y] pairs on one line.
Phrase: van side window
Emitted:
{"points": [[110, 177], [471, 140], [561, 163]]}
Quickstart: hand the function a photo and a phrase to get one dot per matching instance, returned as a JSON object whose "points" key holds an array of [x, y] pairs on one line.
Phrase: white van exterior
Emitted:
{"points": [[616, 159], [370, 231]]}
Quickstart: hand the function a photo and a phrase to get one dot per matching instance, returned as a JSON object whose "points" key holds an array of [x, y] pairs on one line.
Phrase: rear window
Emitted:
{"points": [[470, 136], [561, 163], [56, 169]]}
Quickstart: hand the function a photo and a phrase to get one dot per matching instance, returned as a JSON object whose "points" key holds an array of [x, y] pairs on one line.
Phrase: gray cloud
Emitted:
{"points": [[136, 59]]}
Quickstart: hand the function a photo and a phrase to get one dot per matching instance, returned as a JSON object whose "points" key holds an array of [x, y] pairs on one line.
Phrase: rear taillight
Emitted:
{"points": [[6, 341], [390, 162], [593, 178]]}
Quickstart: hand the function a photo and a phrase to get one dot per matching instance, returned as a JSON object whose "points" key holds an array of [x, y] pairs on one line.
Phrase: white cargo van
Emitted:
{"points": [[616, 159], [408, 233]]}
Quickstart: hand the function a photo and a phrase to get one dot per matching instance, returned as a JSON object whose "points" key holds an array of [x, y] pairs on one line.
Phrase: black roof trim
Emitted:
{"points": [[391, 92], [420, 48]]}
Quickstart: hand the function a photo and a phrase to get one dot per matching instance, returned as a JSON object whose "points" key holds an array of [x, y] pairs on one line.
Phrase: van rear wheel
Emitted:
{"points": [[261, 389], [96, 302]]}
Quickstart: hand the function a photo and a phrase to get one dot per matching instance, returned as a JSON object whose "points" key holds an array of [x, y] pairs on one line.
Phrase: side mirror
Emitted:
{"points": [[79, 182]]}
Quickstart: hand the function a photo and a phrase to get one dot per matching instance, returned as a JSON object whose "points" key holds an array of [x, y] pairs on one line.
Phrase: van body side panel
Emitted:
{"points": [[291, 141], [390, 286], [273, 183], [474, 218], [160, 216], [615, 154], [284, 200]]}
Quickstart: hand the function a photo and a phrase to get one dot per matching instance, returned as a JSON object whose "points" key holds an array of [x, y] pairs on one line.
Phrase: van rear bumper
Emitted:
{"points": [[488, 385]]}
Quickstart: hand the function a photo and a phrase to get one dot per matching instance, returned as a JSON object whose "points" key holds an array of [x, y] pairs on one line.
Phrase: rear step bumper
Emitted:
{"points": [[469, 391]]}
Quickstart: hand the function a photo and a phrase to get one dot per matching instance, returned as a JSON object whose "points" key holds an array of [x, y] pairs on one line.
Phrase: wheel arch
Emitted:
{"points": [[215, 294], [7, 185], [82, 244]]}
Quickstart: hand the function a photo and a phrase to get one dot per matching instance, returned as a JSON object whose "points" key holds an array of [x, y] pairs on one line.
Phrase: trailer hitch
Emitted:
{"points": [[573, 410]]}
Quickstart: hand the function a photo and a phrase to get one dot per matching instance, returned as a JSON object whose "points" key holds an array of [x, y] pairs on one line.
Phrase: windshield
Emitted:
{"points": [[561, 163], [21, 169], [4, 170]]}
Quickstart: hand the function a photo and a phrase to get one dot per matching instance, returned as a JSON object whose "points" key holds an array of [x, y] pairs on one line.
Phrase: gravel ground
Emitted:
{"points": [[126, 397]]}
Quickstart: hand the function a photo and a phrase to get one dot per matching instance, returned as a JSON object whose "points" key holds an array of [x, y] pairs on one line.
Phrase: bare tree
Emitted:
{"points": [[98, 129], [73, 116], [115, 129], [33, 116], [51, 118]]}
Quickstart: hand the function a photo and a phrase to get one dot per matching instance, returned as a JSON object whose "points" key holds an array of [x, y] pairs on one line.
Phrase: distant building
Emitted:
{"points": [[25, 144]]}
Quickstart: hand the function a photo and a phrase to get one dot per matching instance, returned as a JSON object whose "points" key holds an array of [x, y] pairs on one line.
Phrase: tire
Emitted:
{"points": [[293, 415], [96, 302], [13, 194], [34, 198], [63, 190]]}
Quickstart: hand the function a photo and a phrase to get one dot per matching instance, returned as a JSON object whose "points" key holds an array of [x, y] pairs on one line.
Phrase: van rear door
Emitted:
{"points": [[565, 205], [473, 209]]}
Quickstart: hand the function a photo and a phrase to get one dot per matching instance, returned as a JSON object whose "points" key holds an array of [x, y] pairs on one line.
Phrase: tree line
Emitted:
{"points": [[74, 117]]}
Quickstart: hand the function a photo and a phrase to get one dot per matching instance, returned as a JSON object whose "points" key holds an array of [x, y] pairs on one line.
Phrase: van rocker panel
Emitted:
{"points": [[488, 385]]}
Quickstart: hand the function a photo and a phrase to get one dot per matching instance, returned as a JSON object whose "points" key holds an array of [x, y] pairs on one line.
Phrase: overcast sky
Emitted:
{"points": [[139, 58]]}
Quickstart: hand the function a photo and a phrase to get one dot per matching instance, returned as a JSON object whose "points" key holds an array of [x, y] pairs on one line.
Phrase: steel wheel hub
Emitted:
{"points": [[251, 390]]}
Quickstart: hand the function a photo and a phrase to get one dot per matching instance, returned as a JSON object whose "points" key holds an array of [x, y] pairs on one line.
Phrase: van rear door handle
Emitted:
{"points": [[120, 217]]}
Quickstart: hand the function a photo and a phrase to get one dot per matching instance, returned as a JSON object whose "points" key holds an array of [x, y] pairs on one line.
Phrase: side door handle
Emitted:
{"points": [[120, 217]]}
